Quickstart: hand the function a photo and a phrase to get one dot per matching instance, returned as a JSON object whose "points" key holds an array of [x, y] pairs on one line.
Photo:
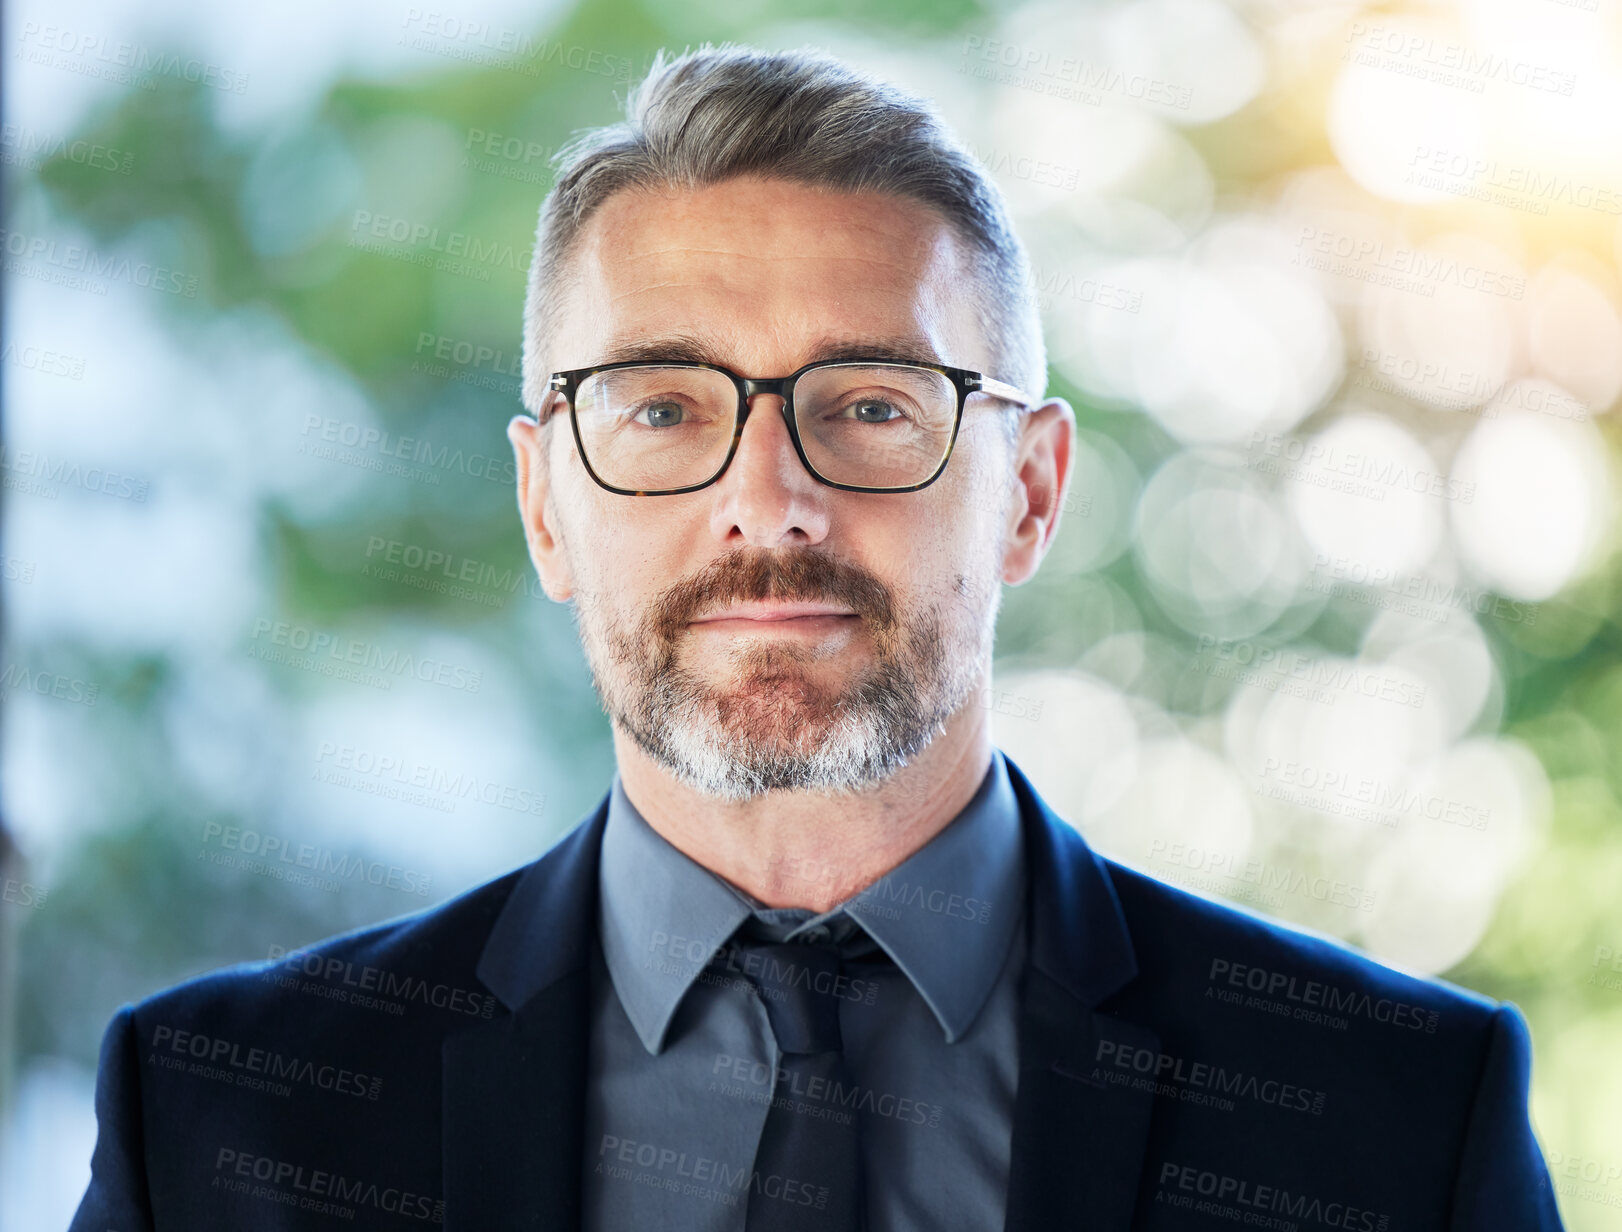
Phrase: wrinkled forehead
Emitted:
{"points": [[765, 276]]}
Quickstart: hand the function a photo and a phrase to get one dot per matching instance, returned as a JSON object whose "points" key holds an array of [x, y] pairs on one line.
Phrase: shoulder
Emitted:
{"points": [[1182, 936], [403, 984], [292, 1061], [1220, 985], [409, 974], [1278, 1052]]}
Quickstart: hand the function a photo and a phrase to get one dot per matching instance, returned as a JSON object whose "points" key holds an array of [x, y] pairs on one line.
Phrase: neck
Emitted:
{"points": [[799, 849]]}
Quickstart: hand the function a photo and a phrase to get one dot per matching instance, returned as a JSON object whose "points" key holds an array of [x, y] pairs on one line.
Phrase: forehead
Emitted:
{"points": [[765, 275]]}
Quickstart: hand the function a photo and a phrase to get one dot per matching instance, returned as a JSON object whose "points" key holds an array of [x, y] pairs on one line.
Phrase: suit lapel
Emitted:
{"points": [[514, 1092], [1079, 1139], [514, 1087]]}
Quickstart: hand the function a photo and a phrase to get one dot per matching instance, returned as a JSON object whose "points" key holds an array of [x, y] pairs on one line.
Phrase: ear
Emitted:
{"points": [[529, 442], [1042, 473]]}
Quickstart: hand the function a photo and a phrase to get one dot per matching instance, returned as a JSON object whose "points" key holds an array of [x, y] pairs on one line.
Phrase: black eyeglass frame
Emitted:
{"points": [[963, 380]]}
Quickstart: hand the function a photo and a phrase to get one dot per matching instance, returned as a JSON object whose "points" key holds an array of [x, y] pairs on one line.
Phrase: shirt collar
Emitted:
{"points": [[946, 915]]}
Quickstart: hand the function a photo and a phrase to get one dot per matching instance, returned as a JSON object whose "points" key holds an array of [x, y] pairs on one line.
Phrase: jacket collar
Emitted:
{"points": [[1079, 1140], [545, 931], [1079, 937], [946, 915], [514, 1087]]}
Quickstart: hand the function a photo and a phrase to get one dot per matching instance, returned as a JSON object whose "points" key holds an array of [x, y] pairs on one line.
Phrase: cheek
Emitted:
{"points": [[624, 560], [957, 531]]}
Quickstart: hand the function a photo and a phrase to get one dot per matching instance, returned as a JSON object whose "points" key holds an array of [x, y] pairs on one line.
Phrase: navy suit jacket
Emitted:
{"points": [[431, 1070]]}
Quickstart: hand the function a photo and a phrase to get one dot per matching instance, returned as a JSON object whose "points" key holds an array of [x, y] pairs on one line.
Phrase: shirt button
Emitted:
{"points": [[815, 936]]}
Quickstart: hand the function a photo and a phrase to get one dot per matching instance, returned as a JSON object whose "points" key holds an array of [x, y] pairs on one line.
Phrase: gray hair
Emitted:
{"points": [[720, 112]]}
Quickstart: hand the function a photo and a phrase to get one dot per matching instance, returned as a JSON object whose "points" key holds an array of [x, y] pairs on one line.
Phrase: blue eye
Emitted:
{"points": [[871, 410], [662, 414]]}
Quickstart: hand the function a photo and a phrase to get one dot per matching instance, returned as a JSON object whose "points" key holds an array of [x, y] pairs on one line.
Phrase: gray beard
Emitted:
{"points": [[774, 730]]}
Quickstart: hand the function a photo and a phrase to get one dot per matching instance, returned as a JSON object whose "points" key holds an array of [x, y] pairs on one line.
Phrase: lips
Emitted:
{"points": [[774, 611]]}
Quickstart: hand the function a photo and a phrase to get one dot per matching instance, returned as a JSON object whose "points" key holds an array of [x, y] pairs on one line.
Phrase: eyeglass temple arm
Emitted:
{"points": [[558, 384], [1006, 392]]}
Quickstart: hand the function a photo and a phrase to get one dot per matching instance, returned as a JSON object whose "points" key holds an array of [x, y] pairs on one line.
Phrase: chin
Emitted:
{"points": [[787, 713]]}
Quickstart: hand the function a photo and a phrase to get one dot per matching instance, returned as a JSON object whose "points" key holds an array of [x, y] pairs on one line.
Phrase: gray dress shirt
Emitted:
{"points": [[683, 1063]]}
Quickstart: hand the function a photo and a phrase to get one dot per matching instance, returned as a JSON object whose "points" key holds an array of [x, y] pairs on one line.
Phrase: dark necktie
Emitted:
{"points": [[807, 1173]]}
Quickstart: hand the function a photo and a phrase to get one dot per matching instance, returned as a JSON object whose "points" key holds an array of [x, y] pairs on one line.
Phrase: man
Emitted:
{"points": [[821, 957]]}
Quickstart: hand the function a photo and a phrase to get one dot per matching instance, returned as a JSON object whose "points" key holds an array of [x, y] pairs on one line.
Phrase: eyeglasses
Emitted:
{"points": [[860, 425]]}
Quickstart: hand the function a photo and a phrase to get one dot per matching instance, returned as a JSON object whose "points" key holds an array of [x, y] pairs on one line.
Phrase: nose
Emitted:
{"points": [[767, 498]]}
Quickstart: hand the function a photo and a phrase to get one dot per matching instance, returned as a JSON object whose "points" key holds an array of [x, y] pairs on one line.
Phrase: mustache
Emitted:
{"points": [[757, 574]]}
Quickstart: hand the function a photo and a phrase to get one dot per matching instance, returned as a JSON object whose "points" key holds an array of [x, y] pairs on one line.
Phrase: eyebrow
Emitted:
{"points": [[692, 349]]}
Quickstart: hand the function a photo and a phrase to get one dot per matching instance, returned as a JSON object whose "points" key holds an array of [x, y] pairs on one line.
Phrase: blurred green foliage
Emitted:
{"points": [[136, 909]]}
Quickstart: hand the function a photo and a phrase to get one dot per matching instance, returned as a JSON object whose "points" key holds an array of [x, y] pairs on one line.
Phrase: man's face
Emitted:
{"points": [[681, 600]]}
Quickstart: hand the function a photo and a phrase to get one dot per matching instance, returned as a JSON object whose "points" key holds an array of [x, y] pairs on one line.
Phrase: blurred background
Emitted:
{"points": [[1330, 629]]}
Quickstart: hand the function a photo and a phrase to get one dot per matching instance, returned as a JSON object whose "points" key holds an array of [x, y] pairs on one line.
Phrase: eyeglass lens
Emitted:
{"points": [[652, 427]]}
